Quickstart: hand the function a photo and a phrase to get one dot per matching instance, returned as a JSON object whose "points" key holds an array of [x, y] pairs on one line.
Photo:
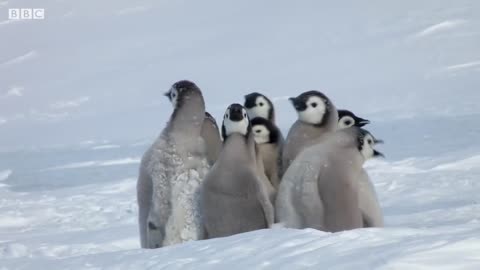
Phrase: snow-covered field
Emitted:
{"points": [[73, 88]]}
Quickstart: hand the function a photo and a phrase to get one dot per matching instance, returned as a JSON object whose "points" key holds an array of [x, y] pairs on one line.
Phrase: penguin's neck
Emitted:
{"points": [[189, 116], [241, 148]]}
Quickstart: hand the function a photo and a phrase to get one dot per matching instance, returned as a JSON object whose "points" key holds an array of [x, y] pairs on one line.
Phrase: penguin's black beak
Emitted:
{"points": [[378, 154], [167, 94], [378, 141], [298, 104], [362, 122]]}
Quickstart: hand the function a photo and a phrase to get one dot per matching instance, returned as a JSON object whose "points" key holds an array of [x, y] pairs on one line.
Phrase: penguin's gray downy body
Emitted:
{"points": [[317, 119], [211, 136], [233, 198], [267, 137], [171, 173], [321, 189], [373, 216]]}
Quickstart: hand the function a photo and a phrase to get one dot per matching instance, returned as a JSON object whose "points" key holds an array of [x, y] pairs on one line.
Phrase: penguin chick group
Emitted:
{"points": [[195, 183]]}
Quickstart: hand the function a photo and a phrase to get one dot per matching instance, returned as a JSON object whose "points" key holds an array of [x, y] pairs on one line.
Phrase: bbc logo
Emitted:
{"points": [[26, 14]]}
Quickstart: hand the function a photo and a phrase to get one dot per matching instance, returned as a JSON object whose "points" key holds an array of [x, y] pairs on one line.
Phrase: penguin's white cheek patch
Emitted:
{"points": [[367, 151], [345, 122], [174, 97], [315, 111], [261, 108], [261, 134]]}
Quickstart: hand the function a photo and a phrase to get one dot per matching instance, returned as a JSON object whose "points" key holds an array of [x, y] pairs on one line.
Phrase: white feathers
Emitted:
{"points": [[346, 122], [313, 114], [261, 134], [367, 147], [176, 185], [236, 126], [261, 109]]}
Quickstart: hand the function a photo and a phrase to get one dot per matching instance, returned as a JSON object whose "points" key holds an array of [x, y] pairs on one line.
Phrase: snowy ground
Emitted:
{"points": [[431, 204], [93, 68]]}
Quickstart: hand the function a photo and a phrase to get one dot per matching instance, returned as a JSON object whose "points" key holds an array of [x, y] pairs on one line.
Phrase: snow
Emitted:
{"points": [[73, 206], [97, 163], [5, 174], [440, 27]]}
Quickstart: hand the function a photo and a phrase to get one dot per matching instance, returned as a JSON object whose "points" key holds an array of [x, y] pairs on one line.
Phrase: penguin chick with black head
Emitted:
{"points": [[317, 118], [233, 198], [171, 173], [372, 213], [348, 119], [260, 106], [267, 137], [321, 189]]}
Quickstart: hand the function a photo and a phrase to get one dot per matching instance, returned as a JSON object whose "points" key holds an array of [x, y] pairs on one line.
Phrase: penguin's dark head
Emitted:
{"points": [[235, 120], [264, 131], [348, 119], [258, 105], [180, 91], [312, 107], [366, 143]]}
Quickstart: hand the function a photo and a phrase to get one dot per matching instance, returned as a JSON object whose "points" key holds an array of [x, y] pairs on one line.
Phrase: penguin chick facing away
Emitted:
{"points": [[348, 119], [171, 172], [233, 198], [321, 189], [211, 136], [317, 118], [267, 137]]}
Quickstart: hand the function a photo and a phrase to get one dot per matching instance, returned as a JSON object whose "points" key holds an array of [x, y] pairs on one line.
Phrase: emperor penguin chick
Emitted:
{"points": [[171, 173], [321, 188], [348, 119], [233, 198], [260, 106], [267, 137], [211, 136], [372, 213], [317, 118]]}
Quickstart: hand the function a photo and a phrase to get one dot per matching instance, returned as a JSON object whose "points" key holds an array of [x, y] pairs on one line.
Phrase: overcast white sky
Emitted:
{"points": [[96, 70]]}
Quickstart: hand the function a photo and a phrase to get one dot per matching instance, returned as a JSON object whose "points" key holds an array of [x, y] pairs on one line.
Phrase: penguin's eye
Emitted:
{"points": [[226, 116], [258, 131], [314, 104], [348, 122], [369, 141], [260, 104], [245, 115]]}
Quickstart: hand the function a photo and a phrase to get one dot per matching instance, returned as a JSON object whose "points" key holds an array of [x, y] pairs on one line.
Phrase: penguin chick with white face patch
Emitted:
{"points": [[348, 119], [317, 118], [211, 136], [258, 105], [321, 189], [171, 173], [234, 199], [267, 136]]}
